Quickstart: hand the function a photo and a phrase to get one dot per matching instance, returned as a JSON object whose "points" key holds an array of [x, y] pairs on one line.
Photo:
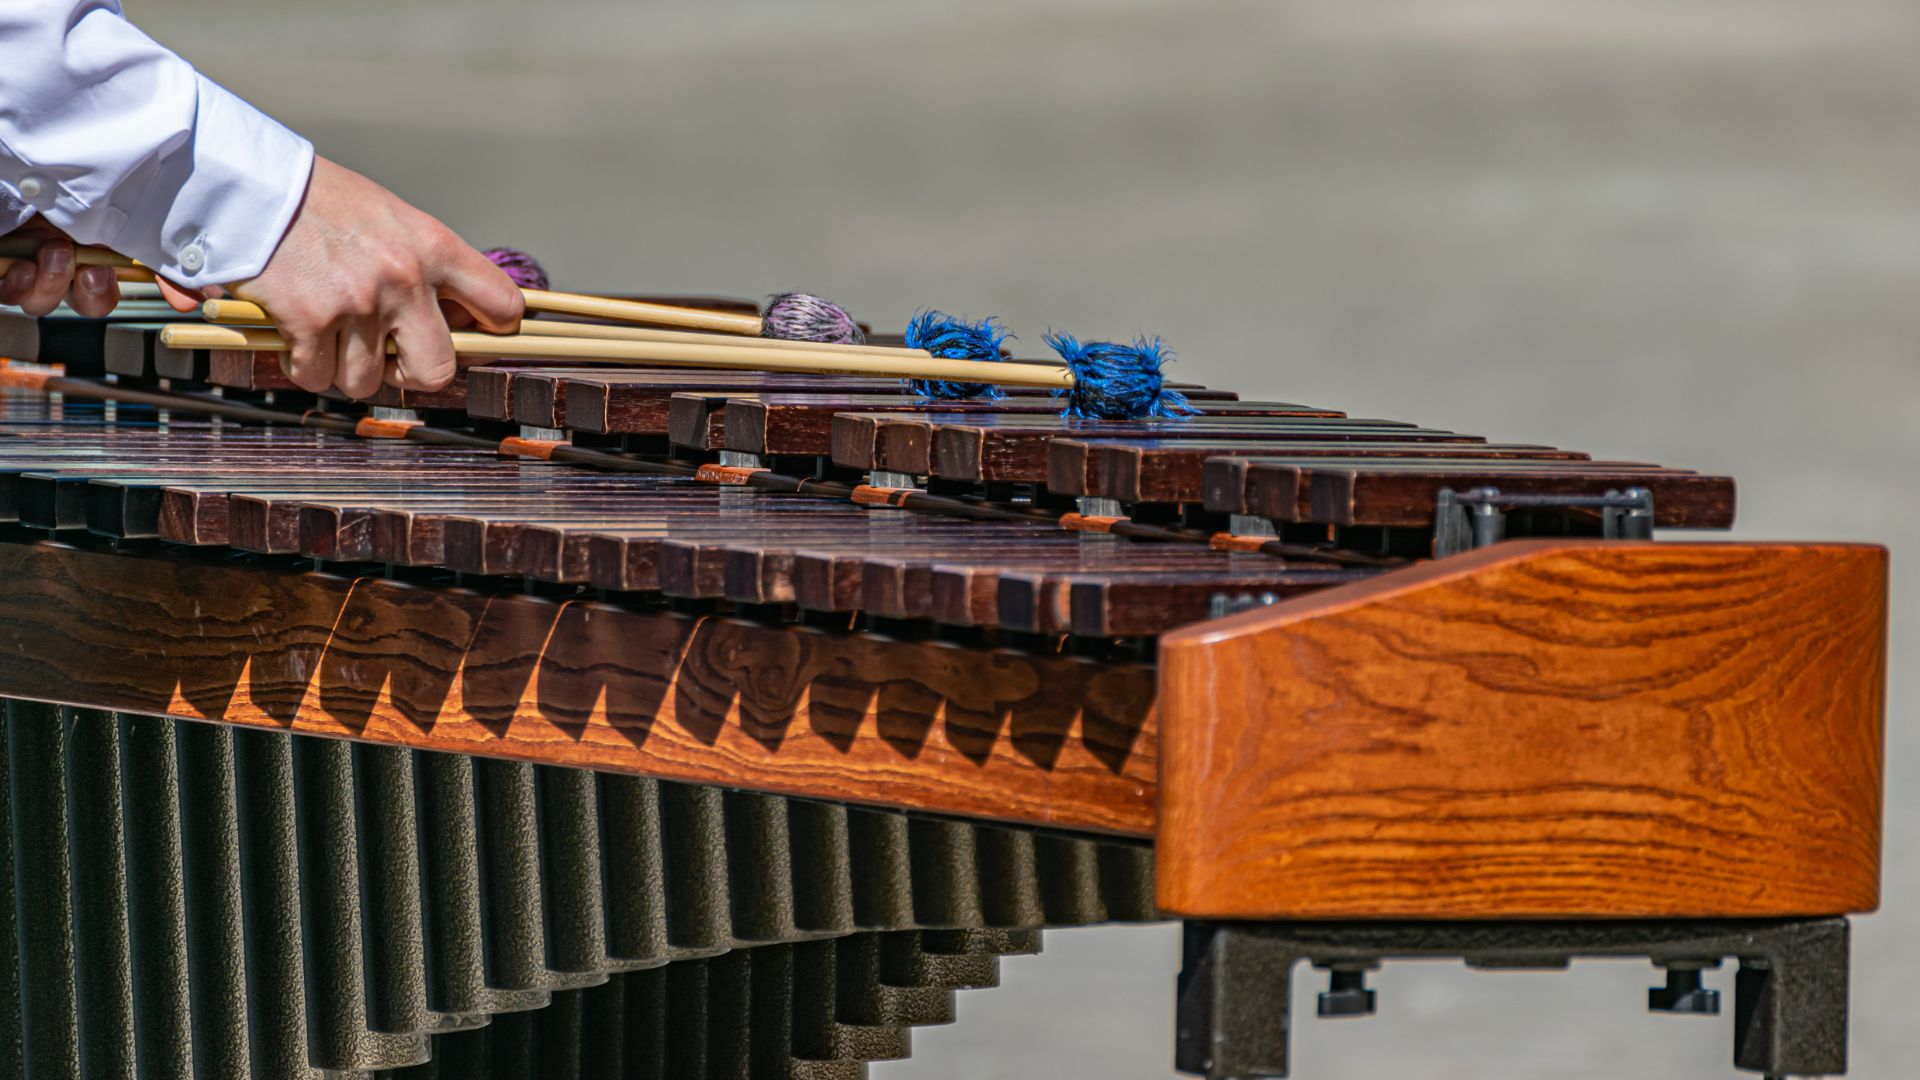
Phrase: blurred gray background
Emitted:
{"points": [[1681, 230]]}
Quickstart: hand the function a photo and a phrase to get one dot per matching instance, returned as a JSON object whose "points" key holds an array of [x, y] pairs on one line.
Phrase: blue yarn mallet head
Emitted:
{"points": [[524, 269], [799, 316], [955, 339], [1112, 381]]}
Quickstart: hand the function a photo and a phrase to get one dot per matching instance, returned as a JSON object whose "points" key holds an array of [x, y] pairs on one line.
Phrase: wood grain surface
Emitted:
{"points": [[1540, 729], [1045, 740], [1176, 471]]}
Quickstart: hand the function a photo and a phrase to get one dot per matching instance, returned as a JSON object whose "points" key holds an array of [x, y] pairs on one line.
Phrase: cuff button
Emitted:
{"points": [[31, 187], [193, 258]]}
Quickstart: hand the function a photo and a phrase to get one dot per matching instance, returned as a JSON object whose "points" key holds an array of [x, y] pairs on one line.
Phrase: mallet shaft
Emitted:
{"points": [[668, 354], [244, 313]]}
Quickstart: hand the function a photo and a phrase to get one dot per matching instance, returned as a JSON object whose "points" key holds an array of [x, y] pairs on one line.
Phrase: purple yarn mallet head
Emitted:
{"points": [[524, 269], [799, 316]]}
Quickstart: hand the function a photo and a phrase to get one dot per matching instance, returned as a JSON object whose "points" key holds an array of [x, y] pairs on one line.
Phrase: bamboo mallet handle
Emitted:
{"points": [[26, 247], [599, 307], [243, 313], [13, 250], [666, 354], [122, 273]]}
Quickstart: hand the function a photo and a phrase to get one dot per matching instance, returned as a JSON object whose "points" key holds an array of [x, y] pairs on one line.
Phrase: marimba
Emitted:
{"points": [[338, 753]]}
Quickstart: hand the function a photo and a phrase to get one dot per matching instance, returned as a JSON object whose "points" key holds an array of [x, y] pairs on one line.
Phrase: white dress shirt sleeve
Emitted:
{"points": [[113, 138]]}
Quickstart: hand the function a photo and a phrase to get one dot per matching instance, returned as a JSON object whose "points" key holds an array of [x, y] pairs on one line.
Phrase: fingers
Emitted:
{"points": [[457, 317], [363, 358], [92, 291], [341, 340], [426, 351], [311, 358], [95, 292], [357, 266], [18, 281], [482, 288], [51, 279]]}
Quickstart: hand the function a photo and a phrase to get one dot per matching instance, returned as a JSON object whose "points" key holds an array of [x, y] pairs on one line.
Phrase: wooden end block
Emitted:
{"points": [[1539, 729]]}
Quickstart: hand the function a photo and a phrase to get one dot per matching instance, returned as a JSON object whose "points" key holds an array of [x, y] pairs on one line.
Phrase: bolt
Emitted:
{"points": [[1347, 993], [1684, 992]]}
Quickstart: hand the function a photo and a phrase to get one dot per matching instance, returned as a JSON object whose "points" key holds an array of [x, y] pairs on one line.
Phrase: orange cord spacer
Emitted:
{"points": [[1088, 523], [727, 474], [25, 380], [868, 495], [515, 446], [370, 428], [1230, 542]]}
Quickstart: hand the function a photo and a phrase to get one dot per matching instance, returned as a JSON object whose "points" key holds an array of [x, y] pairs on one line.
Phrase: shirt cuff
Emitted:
{"points": [[226, 216], [14, 212]]}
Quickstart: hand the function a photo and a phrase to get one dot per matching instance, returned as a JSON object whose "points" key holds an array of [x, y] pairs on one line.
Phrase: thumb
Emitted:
{"points": [[472, 281], [182, 300]]}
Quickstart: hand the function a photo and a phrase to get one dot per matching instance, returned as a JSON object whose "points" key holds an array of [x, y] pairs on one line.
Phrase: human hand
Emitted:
{"points": [[359, 266], [40, 284]]}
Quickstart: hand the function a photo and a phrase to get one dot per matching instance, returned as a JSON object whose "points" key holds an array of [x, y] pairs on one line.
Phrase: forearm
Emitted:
{"points": [[117, 141]]}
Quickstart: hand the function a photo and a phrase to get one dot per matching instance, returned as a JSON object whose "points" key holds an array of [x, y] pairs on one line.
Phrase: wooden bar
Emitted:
{"points": [[244, 369], [1013, 448], [539, 399], [482, 515], [180, 365], [636, 402], [772, 572], [1539, 729], [903, 583], [697, 419], [622, 403], [1175, 470], [764, 569], [126, 350], [803, 425], [452, 397], [134, 351], [1145, 601], [1362, 491], [66, 338]]}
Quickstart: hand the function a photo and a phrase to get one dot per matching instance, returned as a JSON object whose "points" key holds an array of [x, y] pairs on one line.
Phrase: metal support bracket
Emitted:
{"points": [[1250, 525], [1221, 605], [1790, 992], [402, 416], [1464, 520], [885, 478]]}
